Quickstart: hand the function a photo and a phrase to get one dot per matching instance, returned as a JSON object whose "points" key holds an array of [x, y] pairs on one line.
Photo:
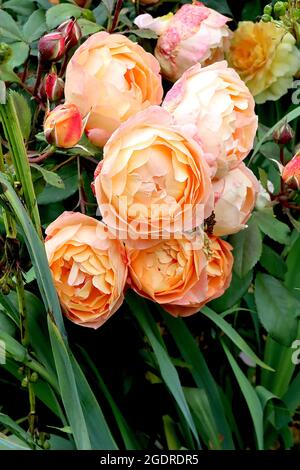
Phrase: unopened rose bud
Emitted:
{"points": [[52, 47], [64, 126], [54, 87], [5, 53], [291, 173], [283, 134], [268, 9], [71, 31]]}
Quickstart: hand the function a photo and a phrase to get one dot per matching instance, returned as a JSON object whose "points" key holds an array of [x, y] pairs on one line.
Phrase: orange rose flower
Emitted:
{"points": [[112, 78], [88, 268], [153, 180], [182, 274]]}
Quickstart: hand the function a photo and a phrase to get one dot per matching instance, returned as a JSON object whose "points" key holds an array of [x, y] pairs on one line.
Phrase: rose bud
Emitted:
{"points": [[291, 173], [54, 87], [283, 134], [71, 31], [52, 47], [64, 126]]}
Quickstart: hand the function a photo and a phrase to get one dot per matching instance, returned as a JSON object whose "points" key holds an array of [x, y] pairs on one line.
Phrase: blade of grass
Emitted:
{"points": [[250, 396], [201, 374], [234, 336], [169, 374]]}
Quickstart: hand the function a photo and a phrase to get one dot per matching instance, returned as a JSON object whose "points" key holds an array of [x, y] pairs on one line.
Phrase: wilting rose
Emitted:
{"points": [[153, 179], [266, 57], [218, 107], [181, 274], [112, 78], [64, 126], [235, 197], [88, 268], [194, 34], [291, 172]]}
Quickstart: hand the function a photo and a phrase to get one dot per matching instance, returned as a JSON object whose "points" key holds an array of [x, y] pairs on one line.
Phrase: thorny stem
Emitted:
{"points": [[38, 78], [42, 157]]}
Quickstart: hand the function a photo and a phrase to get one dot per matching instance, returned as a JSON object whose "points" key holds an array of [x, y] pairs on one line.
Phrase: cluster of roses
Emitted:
{"points": [[170, 184]]}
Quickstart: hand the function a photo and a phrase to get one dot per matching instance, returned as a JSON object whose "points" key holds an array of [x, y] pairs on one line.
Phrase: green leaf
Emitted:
{"points": [[22, 109], [69, 176], [271, 226], [11, 443], [273, 407], [20, 51], [203, 417], [109, 5], [127, 433], [277, 308], [68, 389], [17, 430], [9, 28], [219, 5], [238, 287], [53, 179], [250, 396], [292, 277], [8, 75], [234, 336], [171, 433], [247, 246], [88, 27], [143, 33], [59, 13], [201, 374], [292, 396], [273, 262], [21, 7], [169, 374], [99, 433], [294, 114], [35, 26]]}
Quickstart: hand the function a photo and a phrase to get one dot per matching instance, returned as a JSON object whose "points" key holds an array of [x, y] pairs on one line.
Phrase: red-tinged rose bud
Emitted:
{"points": [[283, 134], [291, 173], [83, 3], [71, 31], [54, 87], [64, 126], [52, 47]]}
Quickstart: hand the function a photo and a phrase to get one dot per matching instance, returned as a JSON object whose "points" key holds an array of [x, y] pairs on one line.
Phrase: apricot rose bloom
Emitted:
{"points": [[153, 179], [235, 197], [219, 109], [64, 126], [194, 34], [112, 78], [266, 57], [88, 268], [181, 274]]}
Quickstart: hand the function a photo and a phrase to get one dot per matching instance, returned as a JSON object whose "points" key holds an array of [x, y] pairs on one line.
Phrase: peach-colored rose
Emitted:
{"points": [[153, 180], [88, 267], [194, 34], [170, 271], [235, 197], [181, 274], [291, 172], [112, 78], [217, 103], [64, 126], [218, 277]]}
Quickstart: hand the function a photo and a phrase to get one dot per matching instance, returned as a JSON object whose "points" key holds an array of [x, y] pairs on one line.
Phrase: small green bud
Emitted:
{"points": [[266, 18], [46, 445], [24, 382], [296, 13], [268, 9], [279, 9], [5, 53], [34, 377]]}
